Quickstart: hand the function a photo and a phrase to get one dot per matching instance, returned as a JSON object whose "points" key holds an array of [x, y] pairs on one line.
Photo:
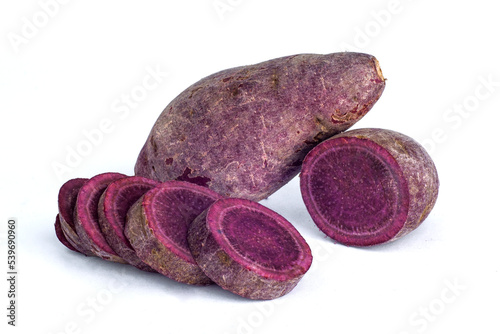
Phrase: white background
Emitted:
{"points": [[66, 69]]}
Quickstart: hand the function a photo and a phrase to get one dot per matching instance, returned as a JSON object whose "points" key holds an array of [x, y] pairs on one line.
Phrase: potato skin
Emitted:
{"points": [[243, 132]]}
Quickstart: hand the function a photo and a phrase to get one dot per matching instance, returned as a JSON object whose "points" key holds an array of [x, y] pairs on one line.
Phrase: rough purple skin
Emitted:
{"points": [[66, 202], [86, 216], [114, 204], [243, 132], [60, 235], [249, 249], [368, 186], [157, 226]]}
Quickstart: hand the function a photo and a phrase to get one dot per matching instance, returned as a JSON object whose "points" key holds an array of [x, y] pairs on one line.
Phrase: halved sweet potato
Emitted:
{"points": [[368, 186]]}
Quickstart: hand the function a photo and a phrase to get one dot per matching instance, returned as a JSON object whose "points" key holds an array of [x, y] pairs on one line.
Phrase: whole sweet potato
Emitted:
{"points": [[243, 132]]}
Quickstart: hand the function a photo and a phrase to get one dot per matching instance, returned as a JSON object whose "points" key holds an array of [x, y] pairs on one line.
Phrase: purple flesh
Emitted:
{"points": [[114, 204], [249, 249], [86, 216], [359, 186], [66, 203], [157, 227], [60, 235]]}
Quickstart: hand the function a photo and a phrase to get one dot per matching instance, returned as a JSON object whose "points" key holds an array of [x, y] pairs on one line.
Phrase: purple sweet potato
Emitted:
{"points": [[157, 226], [249, 249], [86, 216], [113, 207], [368, 186], [66, 202], [243, 132], [60, 235]]}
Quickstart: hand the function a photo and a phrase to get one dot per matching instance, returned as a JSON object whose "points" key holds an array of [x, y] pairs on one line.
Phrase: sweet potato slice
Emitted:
{"points": [[368, 186], [86, 216], [249, 249], [113, 207], [66, 202], [60, 235], [157, 226]]}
